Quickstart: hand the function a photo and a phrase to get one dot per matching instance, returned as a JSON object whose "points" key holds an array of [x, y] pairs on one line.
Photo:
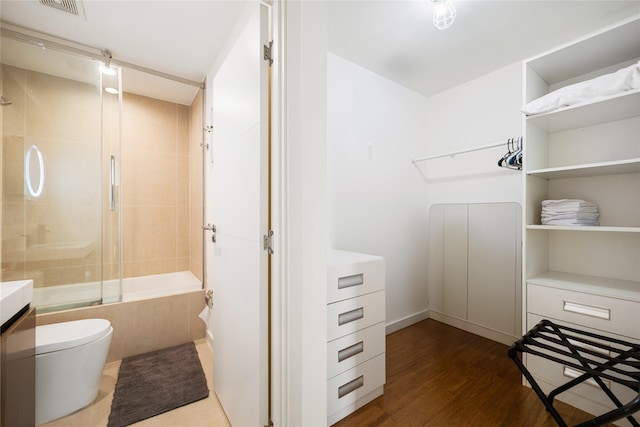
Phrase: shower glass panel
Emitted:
{"points": [[59, 131]]}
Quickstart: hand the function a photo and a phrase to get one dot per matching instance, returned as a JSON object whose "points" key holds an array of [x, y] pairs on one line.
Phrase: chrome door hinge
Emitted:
{"points": [[268, 242], [268, 53]]}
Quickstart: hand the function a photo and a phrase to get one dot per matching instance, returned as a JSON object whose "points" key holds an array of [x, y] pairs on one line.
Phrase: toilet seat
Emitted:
{"points": [[65, 335]]}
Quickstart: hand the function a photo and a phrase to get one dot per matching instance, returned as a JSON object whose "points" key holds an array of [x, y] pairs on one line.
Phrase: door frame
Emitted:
{"points": [[299, 209]]}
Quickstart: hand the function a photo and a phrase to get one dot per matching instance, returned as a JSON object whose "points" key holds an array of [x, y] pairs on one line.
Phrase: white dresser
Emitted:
{"points": [[355, 332]]}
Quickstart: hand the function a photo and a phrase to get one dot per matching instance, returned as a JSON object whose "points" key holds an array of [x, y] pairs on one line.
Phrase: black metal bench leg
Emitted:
{"points": [[617, 414], [553, 342], [534, 385]]}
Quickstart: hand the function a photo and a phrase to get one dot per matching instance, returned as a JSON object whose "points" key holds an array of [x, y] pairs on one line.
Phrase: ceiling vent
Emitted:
{"points": [[69, 6]]}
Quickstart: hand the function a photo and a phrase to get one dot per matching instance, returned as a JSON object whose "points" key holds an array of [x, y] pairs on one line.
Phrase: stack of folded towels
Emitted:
{"points": [[569, 212]]}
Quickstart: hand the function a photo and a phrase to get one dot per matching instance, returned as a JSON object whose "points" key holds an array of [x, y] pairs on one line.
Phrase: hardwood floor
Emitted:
{"points": [[440, 376]]}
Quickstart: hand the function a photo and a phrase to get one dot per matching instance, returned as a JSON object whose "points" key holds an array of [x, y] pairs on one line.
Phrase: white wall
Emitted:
{"points": [[304, 283], [378, 201], [377, 198], [479, 112]]}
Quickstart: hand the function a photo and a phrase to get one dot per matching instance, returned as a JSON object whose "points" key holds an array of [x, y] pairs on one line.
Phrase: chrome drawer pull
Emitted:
{"points": [[572, 373], [350, 386], [350, 316], [349, 281], [580, 345], [350, 351], [600, 313]]}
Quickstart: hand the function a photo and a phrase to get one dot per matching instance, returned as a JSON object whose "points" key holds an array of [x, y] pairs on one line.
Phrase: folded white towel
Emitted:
{"points": [[567, 203], [576, 212], [569, 210], [625, 79], [571, 215], [577, 222]]}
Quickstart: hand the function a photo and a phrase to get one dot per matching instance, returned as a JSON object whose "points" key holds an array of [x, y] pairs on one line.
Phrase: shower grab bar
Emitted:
{"points": [[112, 177]]}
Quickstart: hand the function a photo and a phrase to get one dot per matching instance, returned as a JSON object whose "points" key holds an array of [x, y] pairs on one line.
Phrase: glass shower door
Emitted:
{"points": [[54, 217]]}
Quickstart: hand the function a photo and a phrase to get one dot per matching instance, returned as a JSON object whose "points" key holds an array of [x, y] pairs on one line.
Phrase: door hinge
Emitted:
{"points": [[268, 242], [268, 52]]}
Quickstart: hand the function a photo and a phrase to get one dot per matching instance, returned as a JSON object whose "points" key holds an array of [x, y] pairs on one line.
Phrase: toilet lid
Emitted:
{"points": [[60, 336]]}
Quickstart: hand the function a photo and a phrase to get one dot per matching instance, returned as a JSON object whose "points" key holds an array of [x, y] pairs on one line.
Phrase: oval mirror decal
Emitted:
{"points": [[34, 171]]}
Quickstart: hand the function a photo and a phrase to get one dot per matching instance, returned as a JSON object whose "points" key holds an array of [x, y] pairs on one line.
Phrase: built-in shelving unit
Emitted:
{"points": [[585, 276], [577, 229], [615, 107], [591, 169]]}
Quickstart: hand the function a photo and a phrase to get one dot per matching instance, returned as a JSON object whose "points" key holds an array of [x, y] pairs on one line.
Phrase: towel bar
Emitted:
{"points": [[595, 357]]}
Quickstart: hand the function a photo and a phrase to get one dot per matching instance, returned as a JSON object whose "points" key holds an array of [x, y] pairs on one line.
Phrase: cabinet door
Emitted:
{"points": [[455, 261], [493, 265]]}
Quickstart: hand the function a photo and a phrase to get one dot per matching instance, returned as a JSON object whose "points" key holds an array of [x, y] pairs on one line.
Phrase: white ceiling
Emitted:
{"points": [[397, 39], [179, 37], [394, 38]]}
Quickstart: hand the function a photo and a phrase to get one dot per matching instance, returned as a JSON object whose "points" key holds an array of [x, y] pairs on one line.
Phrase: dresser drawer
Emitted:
{"points": [[554, 374], [607, 314], [349, 316], [351, 350], [350, 274], [345, 389]]}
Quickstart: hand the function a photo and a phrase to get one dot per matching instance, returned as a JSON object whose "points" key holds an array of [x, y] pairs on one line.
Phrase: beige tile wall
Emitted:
{"points": [[61, 117], [1, 163], [160, 188], [196, 186], [143, 326], [111, 244], [155, 186]]}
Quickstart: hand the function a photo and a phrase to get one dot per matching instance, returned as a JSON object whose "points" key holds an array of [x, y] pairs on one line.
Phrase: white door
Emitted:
{"points": [[236, 203]]}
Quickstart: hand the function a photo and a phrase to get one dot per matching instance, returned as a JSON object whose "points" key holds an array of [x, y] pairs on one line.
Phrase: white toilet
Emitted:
{"points": [[70, 358]]}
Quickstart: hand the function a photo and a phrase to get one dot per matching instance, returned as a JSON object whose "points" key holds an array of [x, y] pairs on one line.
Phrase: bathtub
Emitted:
{"points": [[178, 296], [133, 288]]}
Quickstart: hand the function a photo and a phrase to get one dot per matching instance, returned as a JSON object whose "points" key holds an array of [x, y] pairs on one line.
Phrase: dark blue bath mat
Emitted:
{"points": [[152, 383]]}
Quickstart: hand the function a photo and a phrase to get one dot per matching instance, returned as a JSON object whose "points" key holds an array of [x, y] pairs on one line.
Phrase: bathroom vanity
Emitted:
{"points": [[17, 354]]}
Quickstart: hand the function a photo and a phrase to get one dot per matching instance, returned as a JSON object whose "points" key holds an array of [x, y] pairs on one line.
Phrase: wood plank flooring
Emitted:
{"points": [[441, 376]]}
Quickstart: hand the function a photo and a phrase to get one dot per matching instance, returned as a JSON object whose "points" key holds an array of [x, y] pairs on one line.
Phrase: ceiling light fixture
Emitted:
{"points": [[443, 14], [105, 67]]}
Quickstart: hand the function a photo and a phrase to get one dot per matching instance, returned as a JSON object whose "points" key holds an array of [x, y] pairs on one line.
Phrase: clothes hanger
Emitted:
{"points": [[513, 158]]}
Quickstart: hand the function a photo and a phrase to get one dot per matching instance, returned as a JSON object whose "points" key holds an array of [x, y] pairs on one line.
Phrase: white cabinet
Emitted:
{"points": [[355, 332], [475, 268], [587, 276]]}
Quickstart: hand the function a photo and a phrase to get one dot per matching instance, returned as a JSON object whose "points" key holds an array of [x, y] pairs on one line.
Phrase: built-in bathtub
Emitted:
{"points": [[155, 312], [63, 297]]}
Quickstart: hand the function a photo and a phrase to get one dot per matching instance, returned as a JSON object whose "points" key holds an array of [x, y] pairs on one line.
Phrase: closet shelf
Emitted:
{"points": [[605, 229], [614, 288], [592, 169], [602, 110]]}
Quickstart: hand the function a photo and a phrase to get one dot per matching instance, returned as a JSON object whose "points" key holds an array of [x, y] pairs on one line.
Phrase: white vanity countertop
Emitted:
{"points": [[14, 296]]}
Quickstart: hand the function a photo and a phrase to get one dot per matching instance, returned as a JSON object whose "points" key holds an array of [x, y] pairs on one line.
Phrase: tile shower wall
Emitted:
{"points": [[195, 189], [155, 186], [160, 187], [62, 117]]}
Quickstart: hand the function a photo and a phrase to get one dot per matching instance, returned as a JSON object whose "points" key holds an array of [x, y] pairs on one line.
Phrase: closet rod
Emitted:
{"points": [[468, 150]]}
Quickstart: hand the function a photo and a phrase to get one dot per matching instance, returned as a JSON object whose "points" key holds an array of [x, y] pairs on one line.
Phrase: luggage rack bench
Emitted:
{"points": [[600, 358]]}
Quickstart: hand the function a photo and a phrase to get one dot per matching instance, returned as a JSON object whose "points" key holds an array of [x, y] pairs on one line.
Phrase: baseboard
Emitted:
{"points": [[474, 328], [396, 325]]}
